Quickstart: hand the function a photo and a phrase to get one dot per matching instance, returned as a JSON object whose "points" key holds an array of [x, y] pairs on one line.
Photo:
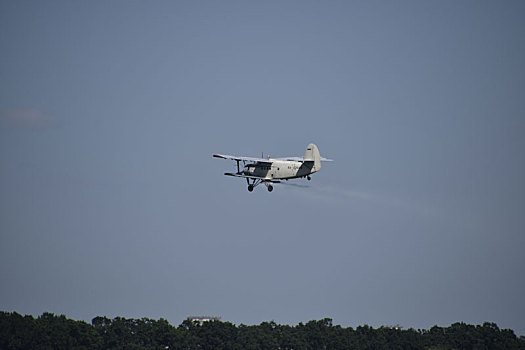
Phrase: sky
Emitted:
{"points": [[112, 205]]}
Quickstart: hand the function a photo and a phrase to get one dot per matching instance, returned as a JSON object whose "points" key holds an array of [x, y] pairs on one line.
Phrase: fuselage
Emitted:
{"points": [[277, 169]]}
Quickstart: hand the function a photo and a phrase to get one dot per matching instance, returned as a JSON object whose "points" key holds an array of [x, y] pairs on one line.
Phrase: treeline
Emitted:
{"points": [[50, 331]]}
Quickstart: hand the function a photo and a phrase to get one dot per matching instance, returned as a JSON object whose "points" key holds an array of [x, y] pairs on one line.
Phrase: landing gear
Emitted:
{"points": [[255, 182], [309, 178]]}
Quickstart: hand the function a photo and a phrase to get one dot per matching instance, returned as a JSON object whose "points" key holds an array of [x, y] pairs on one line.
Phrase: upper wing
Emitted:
{"points": [[301, 159], [264, 160], [295, 159], [248, 159]]}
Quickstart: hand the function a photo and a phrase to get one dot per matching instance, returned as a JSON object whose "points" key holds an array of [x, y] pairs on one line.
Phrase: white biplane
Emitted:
{"points": [[268, 170]]}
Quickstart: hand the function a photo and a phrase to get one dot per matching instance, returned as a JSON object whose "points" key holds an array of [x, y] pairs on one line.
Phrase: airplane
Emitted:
{"points": [[271, 170]]}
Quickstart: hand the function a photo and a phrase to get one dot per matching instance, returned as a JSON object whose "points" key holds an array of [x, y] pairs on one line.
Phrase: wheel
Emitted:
{"points": [[250, 188], [270, 188], [309, 178]]}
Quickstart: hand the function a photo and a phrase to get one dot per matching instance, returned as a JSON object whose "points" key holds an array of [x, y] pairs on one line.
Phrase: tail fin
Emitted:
{"points": [[312, 155]]}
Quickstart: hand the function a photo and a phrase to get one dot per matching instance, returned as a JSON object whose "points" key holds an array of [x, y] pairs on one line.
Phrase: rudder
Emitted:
{"points": [[312, 155]]}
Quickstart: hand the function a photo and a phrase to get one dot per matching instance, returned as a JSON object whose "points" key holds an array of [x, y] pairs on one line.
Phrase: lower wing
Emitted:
{"points": [[252, 177]]}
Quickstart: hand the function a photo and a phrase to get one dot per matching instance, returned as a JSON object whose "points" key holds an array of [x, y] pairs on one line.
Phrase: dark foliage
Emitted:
{"points": [[57, 332]]}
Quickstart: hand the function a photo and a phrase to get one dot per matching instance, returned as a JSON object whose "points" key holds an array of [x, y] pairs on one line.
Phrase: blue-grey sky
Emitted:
{"points": [[111, 204]]}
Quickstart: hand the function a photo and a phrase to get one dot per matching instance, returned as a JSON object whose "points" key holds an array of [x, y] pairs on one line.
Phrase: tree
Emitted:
{"points": [[50, 331]]}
